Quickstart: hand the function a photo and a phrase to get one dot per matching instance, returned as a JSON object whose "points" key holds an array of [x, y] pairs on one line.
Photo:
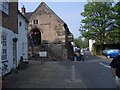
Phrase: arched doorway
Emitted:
{"points": [[34, 37]]}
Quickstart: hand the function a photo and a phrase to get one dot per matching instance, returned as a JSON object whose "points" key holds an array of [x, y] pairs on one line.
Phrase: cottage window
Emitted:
{"points": [[20, 23], [4, 6], [4, 47]]}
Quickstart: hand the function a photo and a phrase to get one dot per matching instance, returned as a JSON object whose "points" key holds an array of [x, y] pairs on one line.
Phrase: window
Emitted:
{"points": [[35, 21], [4, 6], [20, 23], [4, 47]]}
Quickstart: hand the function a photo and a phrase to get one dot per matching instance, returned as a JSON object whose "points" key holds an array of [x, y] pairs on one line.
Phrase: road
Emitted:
{"points": [[94, 72]]}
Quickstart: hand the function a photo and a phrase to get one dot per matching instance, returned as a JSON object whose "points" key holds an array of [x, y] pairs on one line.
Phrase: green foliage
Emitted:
{"points": [[97, 49], [93, 49], [79, 42], [102, 22], [115, 31]]}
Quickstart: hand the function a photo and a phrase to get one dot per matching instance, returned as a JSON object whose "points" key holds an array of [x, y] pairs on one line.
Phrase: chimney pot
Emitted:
{"points": [[23, 9]]}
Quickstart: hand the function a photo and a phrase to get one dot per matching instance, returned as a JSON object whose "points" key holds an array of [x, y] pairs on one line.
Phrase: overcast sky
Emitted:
{"points": [[69, 12]]}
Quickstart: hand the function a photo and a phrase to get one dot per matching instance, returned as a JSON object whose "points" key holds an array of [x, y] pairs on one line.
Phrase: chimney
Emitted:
{"points": [[23, 9]]}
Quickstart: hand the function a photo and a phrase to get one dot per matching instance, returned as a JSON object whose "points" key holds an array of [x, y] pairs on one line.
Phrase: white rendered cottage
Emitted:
{"points": [[22, 38], [6, 49], [8, 34]]}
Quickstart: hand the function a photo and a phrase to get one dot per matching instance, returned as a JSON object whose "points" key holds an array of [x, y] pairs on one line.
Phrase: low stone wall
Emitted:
{"points": [[54, 51], [58, 51]]}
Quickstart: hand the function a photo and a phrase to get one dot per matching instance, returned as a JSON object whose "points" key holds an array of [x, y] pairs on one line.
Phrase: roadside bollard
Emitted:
{"points": [[73, 73], [75, 59]]}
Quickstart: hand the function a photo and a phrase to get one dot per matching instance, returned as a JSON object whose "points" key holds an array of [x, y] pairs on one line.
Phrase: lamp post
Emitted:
{"points": [[15, 39]]}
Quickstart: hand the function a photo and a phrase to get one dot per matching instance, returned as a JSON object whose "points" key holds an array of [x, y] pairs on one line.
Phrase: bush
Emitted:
{"points": [[93, 49], [97, 48]]}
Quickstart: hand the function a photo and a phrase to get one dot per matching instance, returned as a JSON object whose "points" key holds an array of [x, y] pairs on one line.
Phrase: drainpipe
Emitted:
{"points": [[15, 42]]}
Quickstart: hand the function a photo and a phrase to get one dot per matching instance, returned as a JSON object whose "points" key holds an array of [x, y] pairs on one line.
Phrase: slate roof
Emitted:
{"points": [[22, 15], [28, 14]]}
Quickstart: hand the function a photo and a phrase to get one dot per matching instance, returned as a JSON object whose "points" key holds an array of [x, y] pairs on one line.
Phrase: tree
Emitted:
{"points": [[82, 43], [115, 30], [97, 21], [78, 42]]}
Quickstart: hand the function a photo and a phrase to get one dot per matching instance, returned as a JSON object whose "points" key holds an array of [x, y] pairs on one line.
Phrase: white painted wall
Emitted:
{"points": [[22, 39], [91, 42], [22, 45], [0, 61], [10, 36]]}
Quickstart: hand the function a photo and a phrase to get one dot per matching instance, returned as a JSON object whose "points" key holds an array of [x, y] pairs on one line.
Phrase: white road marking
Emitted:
{"points": [[105, 65], [86, 56]]}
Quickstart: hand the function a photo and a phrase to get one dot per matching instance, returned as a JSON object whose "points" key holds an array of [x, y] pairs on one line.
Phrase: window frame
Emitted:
{"points": [[20, 23], [4, 47], [36, 21], [4, 6]]}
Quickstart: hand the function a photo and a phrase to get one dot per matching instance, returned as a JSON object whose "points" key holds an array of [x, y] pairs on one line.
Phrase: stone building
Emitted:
{"points": [[48, 32]]}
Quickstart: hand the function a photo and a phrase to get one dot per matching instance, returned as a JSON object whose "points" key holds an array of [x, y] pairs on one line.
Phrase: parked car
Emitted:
{"points": [[111, 53]]}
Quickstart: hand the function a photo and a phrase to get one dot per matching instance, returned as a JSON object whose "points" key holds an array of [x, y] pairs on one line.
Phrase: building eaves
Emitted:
{"points": [[22, 15], [28, 14], [45, 5]]}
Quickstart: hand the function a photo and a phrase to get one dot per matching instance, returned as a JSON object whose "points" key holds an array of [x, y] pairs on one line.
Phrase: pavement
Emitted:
{"points": [[103, 57], [48, 74]]}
